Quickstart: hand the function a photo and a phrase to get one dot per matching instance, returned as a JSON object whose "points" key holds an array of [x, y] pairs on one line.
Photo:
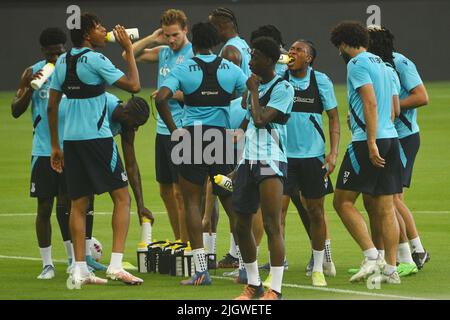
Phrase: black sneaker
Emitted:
{"points": [[228, 261], [420, 258]]}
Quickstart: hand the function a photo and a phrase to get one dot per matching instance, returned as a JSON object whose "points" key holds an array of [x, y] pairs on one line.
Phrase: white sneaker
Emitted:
{"points": [[233, 273], [329, 269], [75, 281], [48, 272], [393, 278], [124, 276], [367, 268]]}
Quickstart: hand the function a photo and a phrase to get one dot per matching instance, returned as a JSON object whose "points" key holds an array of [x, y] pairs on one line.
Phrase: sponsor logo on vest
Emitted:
{"points": [[210, 93], [303, 100]]}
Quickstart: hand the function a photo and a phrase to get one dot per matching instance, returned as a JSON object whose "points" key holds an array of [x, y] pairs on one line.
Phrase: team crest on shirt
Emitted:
{"points": [[124, 176], [164, 71], [179, 60], [33, 187], [346, 176]]}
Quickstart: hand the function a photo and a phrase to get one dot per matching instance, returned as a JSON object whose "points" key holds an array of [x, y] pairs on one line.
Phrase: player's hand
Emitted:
{"points": [[253, 82], [374, 155], [232, 175], [154, 94], [207, 225], [32, 77], [330, 164], [145, 213], [57, 160], [158, 37], [122, 37]]}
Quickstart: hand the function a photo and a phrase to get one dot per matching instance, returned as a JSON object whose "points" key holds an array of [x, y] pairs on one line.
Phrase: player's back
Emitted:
{"points": [[367, 68], [206, 97]]}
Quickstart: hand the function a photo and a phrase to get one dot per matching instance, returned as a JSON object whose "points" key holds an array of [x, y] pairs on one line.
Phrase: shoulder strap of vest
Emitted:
{"points": [[208, 67]]}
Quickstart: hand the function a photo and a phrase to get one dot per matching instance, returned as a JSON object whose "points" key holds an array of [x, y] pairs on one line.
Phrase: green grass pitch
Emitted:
{"points": [[429, 199]]}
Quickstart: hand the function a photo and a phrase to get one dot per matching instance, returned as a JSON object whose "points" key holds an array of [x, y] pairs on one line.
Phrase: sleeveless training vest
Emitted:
{"points": [[72, 86], [209, 93]]}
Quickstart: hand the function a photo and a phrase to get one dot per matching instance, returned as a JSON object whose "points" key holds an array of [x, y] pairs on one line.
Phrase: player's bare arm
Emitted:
{"points": [[368, 97], [161, 100], [133, 173], [335, 132], [23, 95], [232, 54], [57, 157], [129, 82], [147, 49], [418, 97], [261, 115]]}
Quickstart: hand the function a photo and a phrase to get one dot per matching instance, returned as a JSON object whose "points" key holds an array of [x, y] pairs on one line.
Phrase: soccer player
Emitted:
{"points": [[309, 168], [380, 44], [413, 95], [90, 158], [207, 82], [168, 46], [372, 164], [236, 50], [45, 183], [260, 174], [124, 120]]}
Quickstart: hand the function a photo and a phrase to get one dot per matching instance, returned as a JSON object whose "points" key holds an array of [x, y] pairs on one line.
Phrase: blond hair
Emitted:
{"points": [[174, 16]]}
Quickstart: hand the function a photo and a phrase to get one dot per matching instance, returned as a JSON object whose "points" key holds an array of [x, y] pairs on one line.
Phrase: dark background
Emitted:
{"points": [[421, 28]]}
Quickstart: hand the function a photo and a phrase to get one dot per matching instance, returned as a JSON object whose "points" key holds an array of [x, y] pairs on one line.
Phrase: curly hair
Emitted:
{"points": [[381, 43], [351, 33], [174, 16], [268, 47], [204, 35], [52, 36], [88, 22], [270, 31]]}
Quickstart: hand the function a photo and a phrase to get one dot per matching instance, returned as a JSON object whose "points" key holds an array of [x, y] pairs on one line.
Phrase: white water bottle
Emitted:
{"points": [[46, 71], [224, 182], [133, 33], [285, 59], [146, 231]]}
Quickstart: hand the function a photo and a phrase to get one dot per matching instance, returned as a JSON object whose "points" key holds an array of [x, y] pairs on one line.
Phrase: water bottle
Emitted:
{"points": [[133, 33], [285, 59], [146, 231], [46, 71], [188, 262], [224, 182], [142, 253]]}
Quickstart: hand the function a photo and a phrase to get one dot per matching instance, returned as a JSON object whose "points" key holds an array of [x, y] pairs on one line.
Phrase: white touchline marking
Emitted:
{"points": [[95, 213], [100, 213], [362, 293], [287, 285]]}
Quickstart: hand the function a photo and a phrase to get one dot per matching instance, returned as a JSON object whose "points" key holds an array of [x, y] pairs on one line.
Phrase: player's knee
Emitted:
{"points": [[272, 228], [166, 193], [123, 200], [316, 214], [44, 209]]}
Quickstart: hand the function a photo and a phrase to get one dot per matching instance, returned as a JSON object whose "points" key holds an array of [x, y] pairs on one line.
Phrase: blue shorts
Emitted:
{"points": [[306, 175], [248, 176], [358, 174], [409, 146]]}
